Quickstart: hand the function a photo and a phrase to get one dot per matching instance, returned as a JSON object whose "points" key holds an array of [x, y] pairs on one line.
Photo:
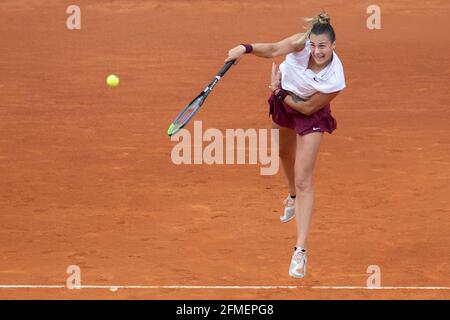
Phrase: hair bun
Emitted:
{"points": [[323, 18], [319, 24]]}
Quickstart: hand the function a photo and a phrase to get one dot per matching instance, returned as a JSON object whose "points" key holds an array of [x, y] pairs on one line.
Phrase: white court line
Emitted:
{"points": [[378, 288], [113, 287], [29, 286]]}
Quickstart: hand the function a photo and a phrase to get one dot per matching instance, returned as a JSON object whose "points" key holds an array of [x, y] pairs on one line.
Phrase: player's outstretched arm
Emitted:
{"points": [[293, 43]]}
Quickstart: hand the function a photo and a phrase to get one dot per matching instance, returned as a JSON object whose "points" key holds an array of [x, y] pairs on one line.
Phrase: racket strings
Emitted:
{"points": [[189, 112]]}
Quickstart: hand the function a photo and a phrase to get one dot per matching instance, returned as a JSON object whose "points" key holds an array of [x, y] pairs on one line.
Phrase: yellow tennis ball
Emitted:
{"points": [[112, 80]]}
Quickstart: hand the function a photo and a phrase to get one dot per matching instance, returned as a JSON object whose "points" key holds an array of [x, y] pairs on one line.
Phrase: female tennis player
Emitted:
{"points": [[309, 78]]}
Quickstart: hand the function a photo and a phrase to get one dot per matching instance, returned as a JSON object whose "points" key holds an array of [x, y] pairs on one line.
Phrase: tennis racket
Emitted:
{"points": [[192, 108]]}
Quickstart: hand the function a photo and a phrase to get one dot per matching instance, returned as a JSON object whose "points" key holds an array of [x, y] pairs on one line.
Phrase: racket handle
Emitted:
{"points": [[225, 68]]}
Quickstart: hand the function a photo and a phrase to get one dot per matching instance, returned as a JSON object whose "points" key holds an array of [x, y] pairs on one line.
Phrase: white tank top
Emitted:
{"points": [[297, 78]]}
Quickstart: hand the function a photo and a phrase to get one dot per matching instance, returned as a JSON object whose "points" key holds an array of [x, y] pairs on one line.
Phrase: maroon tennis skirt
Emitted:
{"points": [[285, 116]]}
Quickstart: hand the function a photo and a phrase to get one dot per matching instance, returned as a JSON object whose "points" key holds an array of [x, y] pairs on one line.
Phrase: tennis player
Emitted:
{"points": [[307, 81]]}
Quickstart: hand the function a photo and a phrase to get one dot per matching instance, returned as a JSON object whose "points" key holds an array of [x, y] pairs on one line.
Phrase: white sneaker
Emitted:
{"points": [[297, 269], [289, 210]]}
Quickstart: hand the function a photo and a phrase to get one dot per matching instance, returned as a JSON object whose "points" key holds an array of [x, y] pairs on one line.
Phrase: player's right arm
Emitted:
{"points": [[270, 50]]}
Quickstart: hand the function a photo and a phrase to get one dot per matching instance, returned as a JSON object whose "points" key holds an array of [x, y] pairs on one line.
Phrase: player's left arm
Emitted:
{"points": [[316, 102]]}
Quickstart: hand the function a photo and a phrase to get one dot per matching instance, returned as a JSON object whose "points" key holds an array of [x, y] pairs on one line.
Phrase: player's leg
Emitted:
{"points": [[287, 147], [306, 155]]}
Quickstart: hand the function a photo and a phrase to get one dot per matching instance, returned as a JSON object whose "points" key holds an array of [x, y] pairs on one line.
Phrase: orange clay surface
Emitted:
{"points": [[87, 178]]}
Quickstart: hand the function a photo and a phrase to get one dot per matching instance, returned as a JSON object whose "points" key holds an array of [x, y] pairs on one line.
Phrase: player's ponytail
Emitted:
{"points": [[318, 24], [321, 19]]}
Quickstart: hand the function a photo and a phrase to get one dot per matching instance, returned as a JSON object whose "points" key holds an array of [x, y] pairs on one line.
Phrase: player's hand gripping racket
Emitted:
{"points": [[191, 109]]}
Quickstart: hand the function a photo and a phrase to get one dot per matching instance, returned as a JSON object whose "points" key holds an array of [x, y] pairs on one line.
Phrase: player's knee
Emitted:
{"points": [[286, 153], [303, 183]]}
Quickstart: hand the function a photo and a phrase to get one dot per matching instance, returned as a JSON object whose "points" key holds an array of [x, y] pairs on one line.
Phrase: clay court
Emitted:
{"points": [[87, 177]]}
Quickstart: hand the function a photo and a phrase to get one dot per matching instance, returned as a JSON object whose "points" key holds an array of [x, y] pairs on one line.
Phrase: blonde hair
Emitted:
{"points": [[320, 19]]}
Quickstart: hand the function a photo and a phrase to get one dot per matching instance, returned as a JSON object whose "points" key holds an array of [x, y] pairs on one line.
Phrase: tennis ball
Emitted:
{"points": [[112, 80]]}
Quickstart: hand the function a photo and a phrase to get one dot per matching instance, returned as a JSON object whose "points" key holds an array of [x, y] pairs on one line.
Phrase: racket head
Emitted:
{"points": [[188, 112]]}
